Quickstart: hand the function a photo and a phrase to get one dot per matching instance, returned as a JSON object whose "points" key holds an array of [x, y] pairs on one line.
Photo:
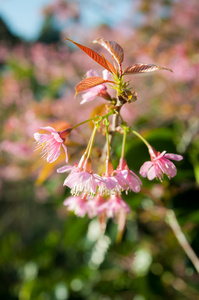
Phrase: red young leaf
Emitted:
{"points": [[90, 82], [113, 48], [96, 57], [143, 68]]}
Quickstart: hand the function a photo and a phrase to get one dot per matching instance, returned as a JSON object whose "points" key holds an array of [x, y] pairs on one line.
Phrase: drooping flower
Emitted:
{"points": [[99, 90], [159, 165], [98, 204], [115, 205], [109, 184], [81, 179], [127, 178], [117, 208], [78, 204], [50, 144]]}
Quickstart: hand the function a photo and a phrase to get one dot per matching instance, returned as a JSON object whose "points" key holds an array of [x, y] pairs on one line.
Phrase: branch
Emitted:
{"points": [[173, 223]]}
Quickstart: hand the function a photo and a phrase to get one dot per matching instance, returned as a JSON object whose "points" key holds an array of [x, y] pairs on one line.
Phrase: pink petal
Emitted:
{"points": [[91, 73], [72, 179], [168, 167], [158, 170], [43, 138], [69, 201], [159, 156], [57, 137], [53, 155], [37, 136], [122, 182], [133, 174], [65, 149], [106, 75], [151, 174], [88, 96], [134, 184], [176, 157], [48, 128], [144, 168], [65, 169], [110, 182]]}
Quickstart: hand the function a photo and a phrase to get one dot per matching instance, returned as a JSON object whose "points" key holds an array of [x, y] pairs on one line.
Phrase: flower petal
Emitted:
{"points": [[176, 157], [65, 169], [37, 136], [144, 168], [48, 128], [54, 154], [65, 149], [152, 173], [168, 167]]}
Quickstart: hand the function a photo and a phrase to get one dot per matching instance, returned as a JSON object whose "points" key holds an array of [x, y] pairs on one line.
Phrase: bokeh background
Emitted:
{"points": [[47, 253]]}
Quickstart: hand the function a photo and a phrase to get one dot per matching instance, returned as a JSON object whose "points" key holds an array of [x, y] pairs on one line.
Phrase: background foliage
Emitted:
{"points": [[47, 253]]}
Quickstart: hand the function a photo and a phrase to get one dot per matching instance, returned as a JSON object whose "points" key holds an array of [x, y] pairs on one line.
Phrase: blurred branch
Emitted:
{"points": [[173, 223]]}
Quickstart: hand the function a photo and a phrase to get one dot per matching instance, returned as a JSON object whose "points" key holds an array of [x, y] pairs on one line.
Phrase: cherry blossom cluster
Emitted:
{"points": [[101, 194]]}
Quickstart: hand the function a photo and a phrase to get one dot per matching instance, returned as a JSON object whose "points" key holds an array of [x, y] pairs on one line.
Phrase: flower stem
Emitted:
{"points": [[90, 144], [107, 138], [93, 119], [124, 142], [143, 139]]}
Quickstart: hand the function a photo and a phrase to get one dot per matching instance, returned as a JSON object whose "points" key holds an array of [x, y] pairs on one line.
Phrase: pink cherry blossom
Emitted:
{"points": [[79, 205], [68, 168], [127, 178], [51, 144], [159, 165], [109, 185], [80, 180], [115, 205], [97, 204], [98, 90]]}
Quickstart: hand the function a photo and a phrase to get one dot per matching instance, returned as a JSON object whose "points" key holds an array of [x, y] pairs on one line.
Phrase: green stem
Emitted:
{"points": [[90, 144], [143, 139], [124, 142], [93, 119], [107, 138]]}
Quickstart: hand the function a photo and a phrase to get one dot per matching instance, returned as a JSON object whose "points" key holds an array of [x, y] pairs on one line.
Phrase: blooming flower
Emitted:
{"points": [[127, 178], [80, 180], [159, 165], [79, 205], [115, 205], [97, 204], [100, 89], [51, 144], [109, 185]]}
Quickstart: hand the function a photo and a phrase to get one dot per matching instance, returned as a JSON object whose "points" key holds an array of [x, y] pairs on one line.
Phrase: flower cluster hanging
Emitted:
{"points": [[101, 194]]}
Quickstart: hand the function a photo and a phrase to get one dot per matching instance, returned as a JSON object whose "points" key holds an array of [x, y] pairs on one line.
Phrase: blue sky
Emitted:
{"points": [[24, 17]]}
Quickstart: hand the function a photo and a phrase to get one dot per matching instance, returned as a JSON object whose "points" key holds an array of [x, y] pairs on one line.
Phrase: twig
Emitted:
{"points": [[173, 223]]}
